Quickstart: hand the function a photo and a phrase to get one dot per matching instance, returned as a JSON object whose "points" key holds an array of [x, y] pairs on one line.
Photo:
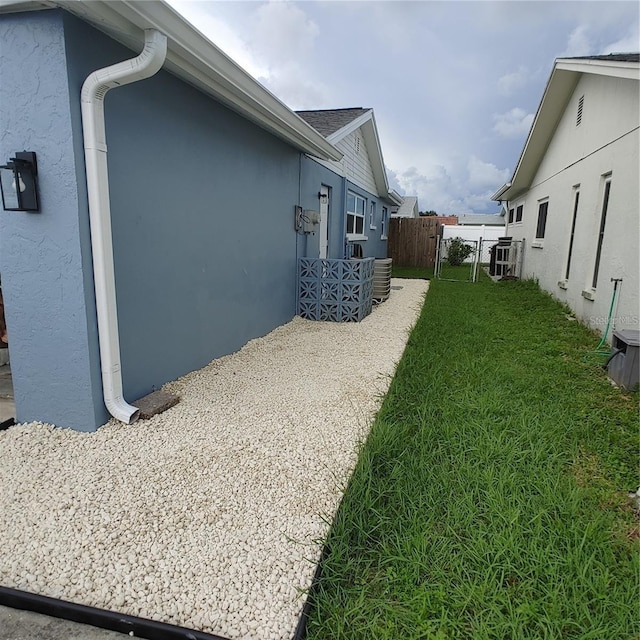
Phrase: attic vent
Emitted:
{"points": [[357, 145], [580, 105]]}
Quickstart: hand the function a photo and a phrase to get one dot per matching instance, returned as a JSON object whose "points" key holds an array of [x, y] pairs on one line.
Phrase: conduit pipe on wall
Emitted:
{"points": [[94, 90]]}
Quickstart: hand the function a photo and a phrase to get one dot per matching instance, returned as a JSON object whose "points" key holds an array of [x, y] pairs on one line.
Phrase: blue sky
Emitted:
{"points": [[454, 85]]}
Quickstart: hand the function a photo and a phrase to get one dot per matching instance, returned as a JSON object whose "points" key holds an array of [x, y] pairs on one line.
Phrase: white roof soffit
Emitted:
{"points": [[560, 87], [192, 57], [557, 93], [613, 68]]}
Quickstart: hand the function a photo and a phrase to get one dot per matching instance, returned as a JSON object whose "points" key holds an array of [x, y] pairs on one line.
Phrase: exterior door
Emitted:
{"points": [[324, 221]]}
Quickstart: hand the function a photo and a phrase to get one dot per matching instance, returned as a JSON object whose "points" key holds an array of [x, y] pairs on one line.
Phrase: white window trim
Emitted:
{"points": [[385, 224], [538, 243], [372, 211], [515, 213], [356, 237], [356, 215]]}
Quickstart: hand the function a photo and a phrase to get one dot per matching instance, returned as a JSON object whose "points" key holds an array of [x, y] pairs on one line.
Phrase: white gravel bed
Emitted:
{"points": [[210, 515]]}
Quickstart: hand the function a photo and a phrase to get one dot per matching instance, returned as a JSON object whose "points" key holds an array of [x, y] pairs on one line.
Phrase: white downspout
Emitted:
{"points": [[94, 89]]}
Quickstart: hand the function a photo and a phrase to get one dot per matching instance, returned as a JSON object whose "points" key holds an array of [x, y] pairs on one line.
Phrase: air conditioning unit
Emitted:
{"points": [[624, 361], [382, 279]]}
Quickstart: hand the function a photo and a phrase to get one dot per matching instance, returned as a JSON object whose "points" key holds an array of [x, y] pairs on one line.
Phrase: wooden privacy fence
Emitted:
{"points": [[413, 241]]}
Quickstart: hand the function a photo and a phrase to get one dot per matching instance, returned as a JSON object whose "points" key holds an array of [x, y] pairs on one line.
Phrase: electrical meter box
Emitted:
{"points": [[624, 365]]}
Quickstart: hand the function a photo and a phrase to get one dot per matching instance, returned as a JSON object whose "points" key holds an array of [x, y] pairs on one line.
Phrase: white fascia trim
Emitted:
{"points": [[613, 68], [372, 140], [193, 58], [497, 196], [336, 136], [557, 93]]}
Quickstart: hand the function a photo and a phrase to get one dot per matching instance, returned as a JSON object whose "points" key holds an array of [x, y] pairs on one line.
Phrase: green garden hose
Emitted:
{"points": [[601, 349]]}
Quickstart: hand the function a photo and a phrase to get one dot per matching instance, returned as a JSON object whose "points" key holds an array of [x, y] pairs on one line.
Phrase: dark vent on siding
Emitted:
{"points": [[580, 106], [357, 145]]}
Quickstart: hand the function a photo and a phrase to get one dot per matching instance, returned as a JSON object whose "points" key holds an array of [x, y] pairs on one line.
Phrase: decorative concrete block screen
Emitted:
{"points": [[335, 290]]}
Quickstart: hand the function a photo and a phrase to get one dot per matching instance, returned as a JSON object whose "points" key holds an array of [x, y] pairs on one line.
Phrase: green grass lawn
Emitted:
{"points": [[490, 499], [411, 272]]}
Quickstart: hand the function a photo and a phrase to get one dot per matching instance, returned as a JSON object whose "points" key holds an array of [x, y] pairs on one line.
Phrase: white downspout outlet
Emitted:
{"points": [[94, 89]]}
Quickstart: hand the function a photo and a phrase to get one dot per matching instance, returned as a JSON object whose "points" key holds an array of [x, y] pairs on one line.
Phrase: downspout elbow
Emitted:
{"points": [[94, 90]]}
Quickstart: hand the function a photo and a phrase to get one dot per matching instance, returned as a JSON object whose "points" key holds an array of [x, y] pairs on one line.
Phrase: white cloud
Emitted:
{"points": [[513, 124], [284, 38], [485, 174], [221, 34], [579, 43], [282, 33], [451, 191], [628, 44], [511, 82]]}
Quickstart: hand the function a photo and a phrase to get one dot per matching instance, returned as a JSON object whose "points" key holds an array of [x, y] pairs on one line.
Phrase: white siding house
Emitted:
{"points": [[574, 196], [408, 208]]}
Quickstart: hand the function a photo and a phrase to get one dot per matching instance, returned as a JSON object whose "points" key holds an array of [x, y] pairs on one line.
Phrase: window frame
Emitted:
{"points": [[356, 216], [511, 214], [519, 212], [543, 214], [372, 214], [576, 204], [606, 196], [384, 224]]}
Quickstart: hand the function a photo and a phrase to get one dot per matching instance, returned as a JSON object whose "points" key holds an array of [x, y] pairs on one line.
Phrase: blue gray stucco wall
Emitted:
{"points": [[54, 355], [313, 176], [202, 215], [374, 246]]}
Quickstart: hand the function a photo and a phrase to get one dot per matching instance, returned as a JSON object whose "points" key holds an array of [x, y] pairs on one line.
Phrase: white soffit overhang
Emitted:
{"points": [[194, 59], [560, 87]]}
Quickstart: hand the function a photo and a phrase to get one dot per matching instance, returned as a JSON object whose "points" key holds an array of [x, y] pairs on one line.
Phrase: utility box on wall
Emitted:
{"points": [[624, 363]]}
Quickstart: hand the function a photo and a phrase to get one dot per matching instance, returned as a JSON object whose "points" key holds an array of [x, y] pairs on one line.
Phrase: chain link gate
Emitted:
{"points": [[460, 260], [457, 259]]}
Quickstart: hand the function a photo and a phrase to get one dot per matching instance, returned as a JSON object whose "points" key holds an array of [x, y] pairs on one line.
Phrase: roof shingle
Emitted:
{"points": [[328, 121], [612, 57]]}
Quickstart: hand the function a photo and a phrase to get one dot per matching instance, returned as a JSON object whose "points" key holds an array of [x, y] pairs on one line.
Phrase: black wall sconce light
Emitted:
{"points": [[323, 197], [19, 183]]}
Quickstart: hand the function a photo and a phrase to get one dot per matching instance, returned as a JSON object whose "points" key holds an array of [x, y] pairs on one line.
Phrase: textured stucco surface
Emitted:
{"points": [[313, 175], [40, 254], [202, 217]]}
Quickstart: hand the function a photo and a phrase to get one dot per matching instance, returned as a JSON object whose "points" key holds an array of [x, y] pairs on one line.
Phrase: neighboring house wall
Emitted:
{"points": [[202, 263], [488, 233], [408, 209], [581, 158]]}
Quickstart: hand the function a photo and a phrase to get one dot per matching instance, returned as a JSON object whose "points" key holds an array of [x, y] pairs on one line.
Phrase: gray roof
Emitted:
{"points": [[612, 57], [328, 121], [481, 218]]}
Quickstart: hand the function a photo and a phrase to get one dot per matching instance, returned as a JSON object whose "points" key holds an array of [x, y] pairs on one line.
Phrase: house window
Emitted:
{"points": [[355, 213], [519, 213], [372, 215], [573, 231], [384, 223], [510, 216], [580, 107], [603, 218], [542, 219]]}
